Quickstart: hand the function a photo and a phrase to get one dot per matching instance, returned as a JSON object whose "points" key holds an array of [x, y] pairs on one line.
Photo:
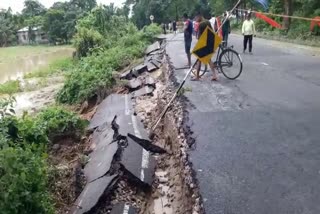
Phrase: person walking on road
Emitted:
{"points": [[174, 27], [188, 28], [202, 27], [248, 31], [164, 28], [226, 29]]}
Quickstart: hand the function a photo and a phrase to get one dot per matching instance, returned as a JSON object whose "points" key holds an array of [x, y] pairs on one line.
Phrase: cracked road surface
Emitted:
{"points": [[134, 158], [257, 138]]}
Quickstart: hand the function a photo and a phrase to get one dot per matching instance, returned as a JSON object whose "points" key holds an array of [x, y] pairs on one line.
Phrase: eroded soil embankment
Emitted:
{"points": [[175, 190]]}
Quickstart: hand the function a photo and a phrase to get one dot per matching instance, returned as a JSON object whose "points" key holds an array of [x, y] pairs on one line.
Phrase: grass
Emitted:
{"points": [[10, 54], [10, 87], [56, 67]]}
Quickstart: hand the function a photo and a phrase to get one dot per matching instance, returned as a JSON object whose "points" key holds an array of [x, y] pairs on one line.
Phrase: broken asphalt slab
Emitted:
{"points": [[121, 106], [154, 47], [133, 157], [103, 155], [139, 69], [156, 63], [134, 84], [151, 67], [92, 193], [113, 105], [127, 75], [147, 90], [122, 208], [150, 81]]}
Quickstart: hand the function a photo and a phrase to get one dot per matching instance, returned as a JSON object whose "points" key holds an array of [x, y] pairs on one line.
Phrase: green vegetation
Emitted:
{"points": [[104, 48], [10, 87], [105, 41], [60, 122], [23, 181], [167, 10], [57, 67], [23, 160]]}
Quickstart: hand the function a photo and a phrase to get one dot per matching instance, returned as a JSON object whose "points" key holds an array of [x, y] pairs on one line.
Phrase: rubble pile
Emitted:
{"points": [[175, 187]]}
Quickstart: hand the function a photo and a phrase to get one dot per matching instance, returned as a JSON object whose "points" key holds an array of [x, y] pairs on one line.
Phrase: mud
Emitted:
{"points": [[66, 177]]}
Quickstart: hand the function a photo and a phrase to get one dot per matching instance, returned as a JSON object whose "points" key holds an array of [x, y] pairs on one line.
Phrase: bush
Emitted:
{"points": [[10, 87], [23, 182], [50, 123], [86, 40], [150, 31], [86, 80], [58, 122]]}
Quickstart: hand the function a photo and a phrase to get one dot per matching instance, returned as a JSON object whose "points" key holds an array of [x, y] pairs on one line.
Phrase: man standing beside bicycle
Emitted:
{"points": [[202, 27]]}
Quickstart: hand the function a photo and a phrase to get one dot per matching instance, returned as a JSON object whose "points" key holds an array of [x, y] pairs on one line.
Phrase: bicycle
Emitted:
{"points": [[224, 60]]}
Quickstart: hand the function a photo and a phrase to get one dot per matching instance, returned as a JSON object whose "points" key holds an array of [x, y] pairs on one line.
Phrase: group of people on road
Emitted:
{"points": [[198, 26], [171, 27]]}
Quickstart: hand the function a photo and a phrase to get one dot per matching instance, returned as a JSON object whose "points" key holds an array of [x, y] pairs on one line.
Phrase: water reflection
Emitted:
{"points": [[18, 68]]}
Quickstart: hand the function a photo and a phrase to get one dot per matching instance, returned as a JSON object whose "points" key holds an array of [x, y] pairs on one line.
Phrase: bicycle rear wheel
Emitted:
{"points": [[230, 64], [203, 69]]}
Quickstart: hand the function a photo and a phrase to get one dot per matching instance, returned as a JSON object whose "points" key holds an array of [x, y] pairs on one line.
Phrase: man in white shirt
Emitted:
{"points": [[248, 31]]}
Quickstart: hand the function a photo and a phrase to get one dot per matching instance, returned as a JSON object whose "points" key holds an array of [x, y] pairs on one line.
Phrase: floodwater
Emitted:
{"points": [[16, 69]]}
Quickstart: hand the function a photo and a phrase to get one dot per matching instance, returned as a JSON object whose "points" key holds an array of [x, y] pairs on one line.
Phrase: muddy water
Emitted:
{"points": [[18, 68]]}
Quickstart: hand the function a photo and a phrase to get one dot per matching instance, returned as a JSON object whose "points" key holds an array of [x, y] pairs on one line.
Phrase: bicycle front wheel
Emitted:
{"points": [[230, 64]]}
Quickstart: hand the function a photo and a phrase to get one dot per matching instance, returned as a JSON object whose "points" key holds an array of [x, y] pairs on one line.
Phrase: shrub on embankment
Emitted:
{"points": [[106, 47], [24, 166]]}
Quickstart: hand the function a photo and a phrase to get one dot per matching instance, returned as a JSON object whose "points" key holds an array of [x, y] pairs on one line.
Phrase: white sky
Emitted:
{"points": [[17, 5]]}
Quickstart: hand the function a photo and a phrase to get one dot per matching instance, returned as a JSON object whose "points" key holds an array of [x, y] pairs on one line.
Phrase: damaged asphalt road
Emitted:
{"points": [[257, 138], [120, 159], [105, 149]]}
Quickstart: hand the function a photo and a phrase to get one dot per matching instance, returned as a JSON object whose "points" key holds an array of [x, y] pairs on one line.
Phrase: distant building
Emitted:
{"points": [[40, 36]]}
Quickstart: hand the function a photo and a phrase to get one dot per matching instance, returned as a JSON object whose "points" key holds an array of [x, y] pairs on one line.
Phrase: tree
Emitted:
{"points": [[288, 11], [84, 5], [33, 8], [54, 24], [7, 28]]}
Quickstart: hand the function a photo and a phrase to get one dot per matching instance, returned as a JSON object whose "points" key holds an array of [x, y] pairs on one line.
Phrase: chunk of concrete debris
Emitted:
{"points": [[161, 37], [151, 67], [154, 53], [126, 75], [140, 68], [154, 47], [147, 145], [147, 90], [134, 84], [150, 81], [122, 208], [156, 63]]}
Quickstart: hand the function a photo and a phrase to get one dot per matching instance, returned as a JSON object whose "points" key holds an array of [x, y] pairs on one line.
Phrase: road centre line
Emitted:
{"points": [[145, 155], [126, 103]]}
